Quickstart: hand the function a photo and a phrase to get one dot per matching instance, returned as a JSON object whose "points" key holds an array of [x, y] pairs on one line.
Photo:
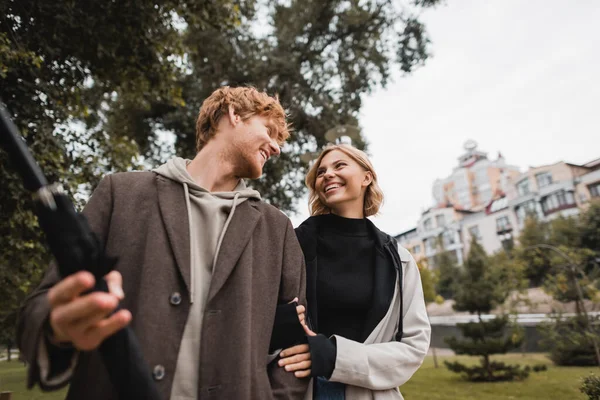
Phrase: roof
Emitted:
{"points": [[592, 164], [405, 232]]}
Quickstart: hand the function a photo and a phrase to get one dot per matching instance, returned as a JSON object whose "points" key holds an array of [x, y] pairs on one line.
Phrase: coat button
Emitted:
{"points": [[158, 372], [175, 298]]}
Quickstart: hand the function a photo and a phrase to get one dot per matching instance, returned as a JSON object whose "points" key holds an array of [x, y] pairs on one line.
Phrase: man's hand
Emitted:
{"points": [[296, 359], [82, 319]]}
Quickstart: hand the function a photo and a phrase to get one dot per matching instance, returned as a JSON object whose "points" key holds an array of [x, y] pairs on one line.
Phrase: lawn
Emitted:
{"points": [[12, 379], [428, 383], [560, 383]]}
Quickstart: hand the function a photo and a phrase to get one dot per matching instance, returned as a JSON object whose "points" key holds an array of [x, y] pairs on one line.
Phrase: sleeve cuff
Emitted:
{"points": [[323, 352], [56, 363], [287, 330]]}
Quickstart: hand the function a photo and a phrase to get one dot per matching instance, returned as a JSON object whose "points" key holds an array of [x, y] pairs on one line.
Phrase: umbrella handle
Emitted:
{"points": [[122, 356]]}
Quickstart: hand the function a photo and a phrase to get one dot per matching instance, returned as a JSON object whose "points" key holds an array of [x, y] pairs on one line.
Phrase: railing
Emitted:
{"points": [[520, 319]]}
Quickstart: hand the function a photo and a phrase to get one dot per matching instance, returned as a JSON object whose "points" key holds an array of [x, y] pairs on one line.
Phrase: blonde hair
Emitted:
{"points": [[373, 195], [246, 102]]}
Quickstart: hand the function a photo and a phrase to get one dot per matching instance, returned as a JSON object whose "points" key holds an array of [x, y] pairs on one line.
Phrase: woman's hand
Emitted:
{"points": [[300, 310], [296, 359]]}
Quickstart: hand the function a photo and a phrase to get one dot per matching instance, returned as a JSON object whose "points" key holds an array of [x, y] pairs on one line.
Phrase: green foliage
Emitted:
{"points": [[569, 340], [590, 385], [92, 86], [483, 284], [479, 287], [540, 368], [571, 235], [537, 261], [486, 338], [447, 272], [491, 372], [567, 271], [569, 261], [590, 227], [320, 57], [428, 281]]}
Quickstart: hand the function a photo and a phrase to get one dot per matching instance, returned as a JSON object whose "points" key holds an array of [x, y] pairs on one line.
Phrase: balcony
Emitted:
{"points": [[501, 230]]}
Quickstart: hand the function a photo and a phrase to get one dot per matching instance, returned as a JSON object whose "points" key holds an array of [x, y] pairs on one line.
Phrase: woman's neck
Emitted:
{"points": [[348, 212]]}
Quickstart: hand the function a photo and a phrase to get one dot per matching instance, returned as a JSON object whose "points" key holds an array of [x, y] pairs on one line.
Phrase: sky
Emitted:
{"points": [[518, 77]]}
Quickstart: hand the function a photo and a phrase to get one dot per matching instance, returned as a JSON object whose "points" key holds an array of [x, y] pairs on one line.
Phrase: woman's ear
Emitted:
{"points": [[234, 119], [368, 179]]}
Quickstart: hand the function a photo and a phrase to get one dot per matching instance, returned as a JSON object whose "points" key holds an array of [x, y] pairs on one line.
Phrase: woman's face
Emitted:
{"points": [[341, 184]]}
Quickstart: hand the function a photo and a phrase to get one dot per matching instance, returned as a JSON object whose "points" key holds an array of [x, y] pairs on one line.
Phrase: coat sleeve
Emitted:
{"points": [[383, 366], [285, 385], [51, 366]]}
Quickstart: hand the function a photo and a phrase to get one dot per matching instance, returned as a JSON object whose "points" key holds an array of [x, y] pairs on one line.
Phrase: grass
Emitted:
{"points": [[429, 383], [560, 383], [13, 378]]}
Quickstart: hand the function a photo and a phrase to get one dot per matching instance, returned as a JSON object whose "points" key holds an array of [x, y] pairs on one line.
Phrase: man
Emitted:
{"points": [[203, 264]]}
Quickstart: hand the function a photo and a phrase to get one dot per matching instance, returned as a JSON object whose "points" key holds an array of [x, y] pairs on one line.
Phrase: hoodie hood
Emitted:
{"points": [[175, 170]]}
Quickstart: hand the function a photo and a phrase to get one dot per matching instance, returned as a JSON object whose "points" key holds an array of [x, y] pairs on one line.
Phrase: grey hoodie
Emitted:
{"points": [[209, 215]]}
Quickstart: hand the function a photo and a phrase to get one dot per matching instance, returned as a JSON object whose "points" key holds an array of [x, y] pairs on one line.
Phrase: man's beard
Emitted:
{"points": [[243, 167]]}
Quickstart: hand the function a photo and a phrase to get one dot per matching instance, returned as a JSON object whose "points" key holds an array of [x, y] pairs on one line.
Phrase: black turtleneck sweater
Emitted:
{"points": [[345, 250], [345, 281]]}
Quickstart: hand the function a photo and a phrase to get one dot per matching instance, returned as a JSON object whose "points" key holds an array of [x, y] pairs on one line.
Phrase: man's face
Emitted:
{"points": [[252, 146]]}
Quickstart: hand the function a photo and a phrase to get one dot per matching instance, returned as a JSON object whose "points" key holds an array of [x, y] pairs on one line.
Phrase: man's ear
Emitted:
{"points": [[234, 119], [368, 179]]}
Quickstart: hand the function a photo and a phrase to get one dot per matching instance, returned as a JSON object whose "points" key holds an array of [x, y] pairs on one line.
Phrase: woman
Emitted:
{"points": [[364, 293]]}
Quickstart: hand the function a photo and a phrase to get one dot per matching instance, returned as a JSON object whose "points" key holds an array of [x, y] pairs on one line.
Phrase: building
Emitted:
{"points": [[440, 230], [475, 181], [547, 191], [411, 241], [587, 187], [490, 200], [493, 227]]}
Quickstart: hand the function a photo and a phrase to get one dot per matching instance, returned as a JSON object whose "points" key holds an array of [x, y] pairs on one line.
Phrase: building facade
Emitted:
{"points": [[490, 200], [474, 181]]}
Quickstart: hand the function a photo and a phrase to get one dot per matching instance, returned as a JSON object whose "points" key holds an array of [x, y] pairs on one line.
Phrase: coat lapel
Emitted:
{"points": [[238, 234], [171, 200], [384, 276], [384, 281]]}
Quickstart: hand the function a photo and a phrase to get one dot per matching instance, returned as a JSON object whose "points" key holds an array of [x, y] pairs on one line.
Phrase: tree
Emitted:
{"points": [[480, 289], [320, 57], [536, 260], [89, 102], [590, 386], [570, 263], [447, 272], [60, 64], [590, 227], [428, 280], [572, 340]]}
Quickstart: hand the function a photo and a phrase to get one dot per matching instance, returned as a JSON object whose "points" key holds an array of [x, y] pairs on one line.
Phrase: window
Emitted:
{"points": [[595, 189], [430, 246], [543, 179], [524, 210], [523, 187], [448, 238], [503, 224], [474, 232], [427, 224], [507, 241], [557, 201], [416, 249], [498, 204], [440, 220]]}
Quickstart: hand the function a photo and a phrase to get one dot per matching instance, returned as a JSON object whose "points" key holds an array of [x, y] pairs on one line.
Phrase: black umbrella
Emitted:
{"points": [[76, 248]]}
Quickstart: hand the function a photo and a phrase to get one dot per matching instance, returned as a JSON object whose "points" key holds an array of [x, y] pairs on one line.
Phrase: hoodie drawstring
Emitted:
{"points": [[229, 217], [189, 212]]}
